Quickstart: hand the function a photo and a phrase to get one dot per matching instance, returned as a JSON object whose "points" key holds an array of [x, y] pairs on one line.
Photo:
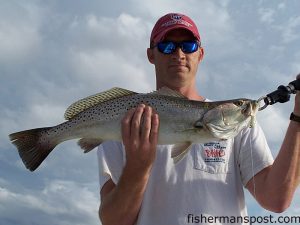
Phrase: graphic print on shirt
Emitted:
{"points": [[213, 157], [214, 152]]}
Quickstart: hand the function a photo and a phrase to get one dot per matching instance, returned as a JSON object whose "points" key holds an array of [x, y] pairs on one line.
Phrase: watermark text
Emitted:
{"points": [[207, 219]]}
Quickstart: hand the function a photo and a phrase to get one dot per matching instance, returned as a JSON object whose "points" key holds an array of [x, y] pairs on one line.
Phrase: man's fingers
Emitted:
{"points": [[126, 124], [141, 123], [154, 128], [136, 121], [146, 124]]}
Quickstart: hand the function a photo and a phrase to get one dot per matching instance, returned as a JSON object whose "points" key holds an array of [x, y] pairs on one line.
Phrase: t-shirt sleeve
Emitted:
{"points": [[111, 160], [254, 152]]}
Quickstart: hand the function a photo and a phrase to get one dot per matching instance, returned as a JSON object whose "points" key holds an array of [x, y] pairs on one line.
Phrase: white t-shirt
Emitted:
{"points": [[207, 183]]}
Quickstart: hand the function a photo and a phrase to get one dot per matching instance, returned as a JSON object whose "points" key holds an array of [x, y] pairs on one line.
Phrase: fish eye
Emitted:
{"points": [[239, 103]]}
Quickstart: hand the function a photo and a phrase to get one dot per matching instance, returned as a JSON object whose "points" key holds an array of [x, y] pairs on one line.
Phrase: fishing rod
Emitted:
{"points": [[281, 95]]}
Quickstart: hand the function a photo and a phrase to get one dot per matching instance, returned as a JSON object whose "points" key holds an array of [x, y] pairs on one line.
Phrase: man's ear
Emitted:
{"points": [[150, 54], [201, 55]]}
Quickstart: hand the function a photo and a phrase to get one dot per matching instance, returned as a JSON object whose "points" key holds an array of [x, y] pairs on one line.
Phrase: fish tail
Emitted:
{"points": [[33, 146]]}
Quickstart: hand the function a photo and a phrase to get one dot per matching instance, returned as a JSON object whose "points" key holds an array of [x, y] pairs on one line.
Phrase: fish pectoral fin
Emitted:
{"points": [[180, 150], [88, 144]]}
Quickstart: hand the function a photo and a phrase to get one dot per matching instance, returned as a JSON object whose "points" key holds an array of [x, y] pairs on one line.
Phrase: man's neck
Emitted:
{"points": [[189, 92]]}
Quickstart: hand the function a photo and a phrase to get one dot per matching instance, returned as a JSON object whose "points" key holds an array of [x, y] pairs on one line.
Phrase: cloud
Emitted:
{"points": [[274, 132], [53, 53], [266, 15], [107, 73], [287, 29], [17, 43], [60, 202], [19, 34], [290, 31], [281, 6], [108, 33], [117, 45], [295, 64]]}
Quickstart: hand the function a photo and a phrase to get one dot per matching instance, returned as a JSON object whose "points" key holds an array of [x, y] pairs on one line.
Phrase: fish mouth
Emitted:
{"points": [[247, 111], [250, 109], [227, 127]]}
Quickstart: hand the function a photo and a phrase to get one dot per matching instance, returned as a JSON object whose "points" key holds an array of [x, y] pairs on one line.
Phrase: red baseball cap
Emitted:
{"points": [[172, 21]]}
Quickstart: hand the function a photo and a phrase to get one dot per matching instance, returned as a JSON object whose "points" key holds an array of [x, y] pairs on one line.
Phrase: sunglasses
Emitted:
{"points": [[168, 47]]}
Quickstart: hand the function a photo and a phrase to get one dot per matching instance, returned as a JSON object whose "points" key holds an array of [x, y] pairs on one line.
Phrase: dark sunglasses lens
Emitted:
{"points": [[169, 47], [166, 47], [189, 46]]}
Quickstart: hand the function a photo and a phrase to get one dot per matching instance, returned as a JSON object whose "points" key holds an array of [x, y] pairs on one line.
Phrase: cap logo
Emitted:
{"points": [[176, 19]]}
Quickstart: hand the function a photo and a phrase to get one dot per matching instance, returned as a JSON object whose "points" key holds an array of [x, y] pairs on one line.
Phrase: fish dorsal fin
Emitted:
{"points": [[169, 92], [93, 100]]}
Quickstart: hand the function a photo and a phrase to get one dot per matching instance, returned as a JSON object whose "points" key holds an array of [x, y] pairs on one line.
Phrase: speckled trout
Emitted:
{"points": [[97, 118]]}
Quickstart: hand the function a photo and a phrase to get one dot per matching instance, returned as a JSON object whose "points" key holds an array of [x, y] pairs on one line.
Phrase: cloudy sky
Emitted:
{"points": [[54, 52]]}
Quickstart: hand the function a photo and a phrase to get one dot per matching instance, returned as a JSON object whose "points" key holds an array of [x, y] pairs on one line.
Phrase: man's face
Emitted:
{"points": [[177, 69]]}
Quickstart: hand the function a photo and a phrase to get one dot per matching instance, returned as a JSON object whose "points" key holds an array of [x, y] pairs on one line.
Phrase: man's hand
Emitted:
{"points": [[121, 202], [140, 135]]}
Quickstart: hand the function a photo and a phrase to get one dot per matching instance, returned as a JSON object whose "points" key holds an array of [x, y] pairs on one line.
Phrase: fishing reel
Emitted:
{"points": [[282, 94]]}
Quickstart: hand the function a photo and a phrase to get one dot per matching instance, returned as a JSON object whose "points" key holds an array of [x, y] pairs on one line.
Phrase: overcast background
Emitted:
{"points": [[55, 52]]}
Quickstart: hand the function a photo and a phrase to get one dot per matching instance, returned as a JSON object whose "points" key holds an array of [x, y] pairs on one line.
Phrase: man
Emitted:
{"points": [[139, 182]]}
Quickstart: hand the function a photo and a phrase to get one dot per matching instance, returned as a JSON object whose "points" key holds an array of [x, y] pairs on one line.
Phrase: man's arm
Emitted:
{"points": [[275, 186], [120, 203]]}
